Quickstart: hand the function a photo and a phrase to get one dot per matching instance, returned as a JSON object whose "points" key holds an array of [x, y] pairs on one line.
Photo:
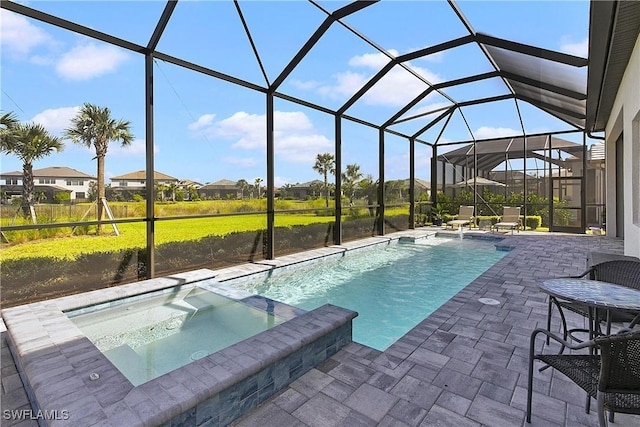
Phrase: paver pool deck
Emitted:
{"points": [[464, 365]]}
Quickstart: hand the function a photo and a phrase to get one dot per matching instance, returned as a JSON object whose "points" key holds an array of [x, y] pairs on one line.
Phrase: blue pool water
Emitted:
{"points": [[393, 288], [150, 336]]}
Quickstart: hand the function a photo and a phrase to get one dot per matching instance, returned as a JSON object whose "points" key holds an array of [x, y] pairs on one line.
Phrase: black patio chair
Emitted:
{"points": [[620, 272], [612, 376]]}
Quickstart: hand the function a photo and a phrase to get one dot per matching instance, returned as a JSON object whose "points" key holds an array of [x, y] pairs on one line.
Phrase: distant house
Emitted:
{"points": [[50, 181], [138, 180], [305, 190], [125, 187], [185, 183], [222, 189]]}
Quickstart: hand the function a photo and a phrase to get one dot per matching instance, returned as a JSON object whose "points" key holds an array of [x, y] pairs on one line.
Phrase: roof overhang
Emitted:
{"points": [[614, 27]]}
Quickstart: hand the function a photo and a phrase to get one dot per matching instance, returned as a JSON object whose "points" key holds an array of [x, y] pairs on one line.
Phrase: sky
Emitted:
{"points": [[207, 129]]}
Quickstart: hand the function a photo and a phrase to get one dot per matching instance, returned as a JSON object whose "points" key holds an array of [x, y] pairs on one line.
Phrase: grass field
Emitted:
{"points": [[134, 235], [59, 242]]}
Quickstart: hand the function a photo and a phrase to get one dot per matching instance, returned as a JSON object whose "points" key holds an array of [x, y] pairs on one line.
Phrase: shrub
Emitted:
{"points": [[533, 222], [61, 198]]}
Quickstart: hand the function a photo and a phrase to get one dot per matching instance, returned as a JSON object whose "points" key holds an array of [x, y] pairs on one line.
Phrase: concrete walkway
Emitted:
{"points": [[464, 365]]}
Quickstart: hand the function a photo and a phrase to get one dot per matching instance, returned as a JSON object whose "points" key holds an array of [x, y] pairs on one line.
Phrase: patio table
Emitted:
{"points": [[596, 295]]}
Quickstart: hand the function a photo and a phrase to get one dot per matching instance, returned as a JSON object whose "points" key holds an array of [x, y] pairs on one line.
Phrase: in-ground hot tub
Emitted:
{"points": [[151, 336], [65, 372]]}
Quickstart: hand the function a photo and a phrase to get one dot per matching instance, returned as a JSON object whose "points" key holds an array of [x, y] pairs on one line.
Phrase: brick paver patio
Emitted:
{"points": [[464, 365]]}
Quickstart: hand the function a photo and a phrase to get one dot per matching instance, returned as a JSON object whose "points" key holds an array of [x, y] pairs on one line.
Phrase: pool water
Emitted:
{"points": [[151, 336], [392, 288]]}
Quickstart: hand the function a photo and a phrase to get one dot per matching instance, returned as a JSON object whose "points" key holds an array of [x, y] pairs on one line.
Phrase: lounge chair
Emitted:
{"points": [[611, 377], [465, 216], [510, 219]]}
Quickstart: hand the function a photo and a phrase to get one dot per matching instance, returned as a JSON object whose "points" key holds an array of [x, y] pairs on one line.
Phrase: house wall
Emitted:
{"points": [[625, 118], [61, 182]]}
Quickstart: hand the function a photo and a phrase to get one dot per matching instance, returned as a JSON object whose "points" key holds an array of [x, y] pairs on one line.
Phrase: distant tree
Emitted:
{"points": [[368, 189], [92, 194], [39, 196], [28, 142], [394, 190], [61, 198], [244, 187], [256, 183], [285, 190], [93, 126], [325, 165], [161, 188], [173, 187], [192, 193], [179, 194], [316, 188], [349, 179]]}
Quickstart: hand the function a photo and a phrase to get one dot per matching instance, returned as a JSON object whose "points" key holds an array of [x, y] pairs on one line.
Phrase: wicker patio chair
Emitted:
{"points": [[612, 376], [620, 272]]}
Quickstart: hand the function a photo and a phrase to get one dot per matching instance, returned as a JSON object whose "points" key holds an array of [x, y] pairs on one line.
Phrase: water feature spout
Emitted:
{"points": [[460, 232]]}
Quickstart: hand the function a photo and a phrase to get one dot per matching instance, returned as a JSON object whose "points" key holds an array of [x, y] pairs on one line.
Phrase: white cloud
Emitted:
{"points": [[430, 107], [203, 121], [580, 48], [244, 162], [302, 148], [308, 85], [486, 132], [55, 120], [296, 139], [384, 92], [437, 57], [136, 148], [374, 61], [279, 181], [18, 36], [397, 167], [90, 60]]}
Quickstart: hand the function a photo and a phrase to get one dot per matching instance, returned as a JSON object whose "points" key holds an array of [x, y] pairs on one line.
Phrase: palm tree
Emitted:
{"points": [[192, 192], [368, 188], [244, 186], [8, 122], [349, 179], [256, 183], [325, 165], [29, 142], [173, 187], [161, 187], [39, 196], [93, 126]]}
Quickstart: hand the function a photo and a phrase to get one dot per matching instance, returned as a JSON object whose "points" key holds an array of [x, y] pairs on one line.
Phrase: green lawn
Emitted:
{"points": [[134, 235]]}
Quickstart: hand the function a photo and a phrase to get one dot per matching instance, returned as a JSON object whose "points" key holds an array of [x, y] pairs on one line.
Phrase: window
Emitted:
{"points": [[47, 181], [75, 182], [80, 195], [122, 183], [12, 181]]}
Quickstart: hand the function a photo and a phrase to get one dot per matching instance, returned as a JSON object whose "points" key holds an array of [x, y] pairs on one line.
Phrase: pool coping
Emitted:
{"points": [[56, 360]]}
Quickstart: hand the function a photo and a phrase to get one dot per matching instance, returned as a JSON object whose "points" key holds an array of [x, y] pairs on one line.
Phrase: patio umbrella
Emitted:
{"points": [[479, 181]]}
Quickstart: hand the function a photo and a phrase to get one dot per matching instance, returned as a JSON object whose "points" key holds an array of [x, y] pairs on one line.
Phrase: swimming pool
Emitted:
{"points": [[392, 287]]}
